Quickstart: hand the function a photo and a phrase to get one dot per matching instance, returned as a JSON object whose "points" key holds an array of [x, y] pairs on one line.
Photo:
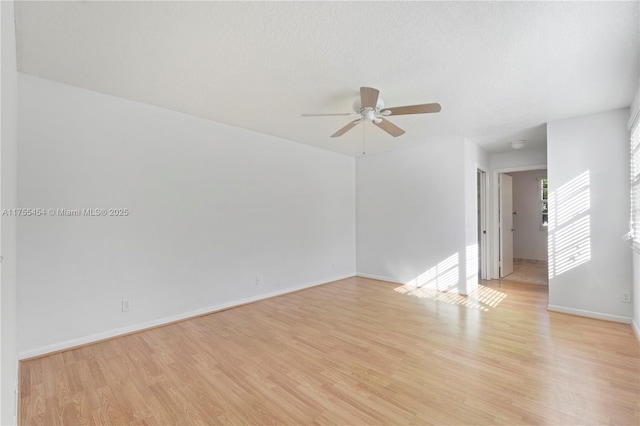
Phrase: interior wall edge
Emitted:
{"points": [[9, 364], [590, 314], [110, 334], [636, 329]]}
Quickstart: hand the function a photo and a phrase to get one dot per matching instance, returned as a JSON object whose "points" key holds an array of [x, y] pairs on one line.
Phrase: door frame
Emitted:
{"points": [[495, 214], [483, 222], [505, 225]]}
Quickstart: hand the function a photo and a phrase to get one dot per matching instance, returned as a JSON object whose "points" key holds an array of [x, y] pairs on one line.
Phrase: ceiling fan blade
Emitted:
{"points": [[328, 115], [369, 97], [389, 127], [346, 128], [414, 109]]}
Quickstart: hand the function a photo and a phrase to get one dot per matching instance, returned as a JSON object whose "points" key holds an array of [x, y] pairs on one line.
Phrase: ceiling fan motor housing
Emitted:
{"points": [[357, 105]]}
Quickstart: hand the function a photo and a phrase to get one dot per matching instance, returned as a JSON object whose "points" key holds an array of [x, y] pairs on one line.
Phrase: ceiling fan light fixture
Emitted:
{"points": [[370, 115], [518, 144]]}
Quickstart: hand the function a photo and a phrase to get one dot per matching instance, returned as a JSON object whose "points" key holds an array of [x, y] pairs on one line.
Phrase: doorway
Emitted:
{"points": [[530, 225], [495, 233]]}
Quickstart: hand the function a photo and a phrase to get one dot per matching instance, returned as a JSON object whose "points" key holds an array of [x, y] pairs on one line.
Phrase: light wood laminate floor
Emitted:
{"points": [[529, 272], [355, 351]]}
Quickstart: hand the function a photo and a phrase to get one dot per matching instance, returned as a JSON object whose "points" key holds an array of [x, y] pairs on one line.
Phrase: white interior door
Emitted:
{"points": [[506, 225]]}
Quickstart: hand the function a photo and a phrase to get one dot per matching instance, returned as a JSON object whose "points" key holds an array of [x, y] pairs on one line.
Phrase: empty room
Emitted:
{"points": [[319, 213]]}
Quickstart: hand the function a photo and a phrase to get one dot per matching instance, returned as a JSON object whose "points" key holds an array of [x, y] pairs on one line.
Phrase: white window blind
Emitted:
{"points": [[634, 223], [544, 200]]}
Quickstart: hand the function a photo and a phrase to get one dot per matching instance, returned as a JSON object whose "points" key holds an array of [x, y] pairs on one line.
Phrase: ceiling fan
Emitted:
{"points": [[370, 107]]}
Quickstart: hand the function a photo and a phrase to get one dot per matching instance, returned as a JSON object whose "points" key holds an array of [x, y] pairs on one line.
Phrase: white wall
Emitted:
{"points": [[211, 206], [589, 264], [636, 294], [529, 238], [518, 158], [8, 166], [410, 214]]}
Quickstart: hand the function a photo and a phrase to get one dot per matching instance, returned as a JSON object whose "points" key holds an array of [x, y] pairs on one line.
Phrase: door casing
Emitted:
{"points": [[483, 223], [505, 220]]}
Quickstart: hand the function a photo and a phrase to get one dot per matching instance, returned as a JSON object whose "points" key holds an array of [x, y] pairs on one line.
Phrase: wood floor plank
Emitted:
{"points": [[356, 351]]}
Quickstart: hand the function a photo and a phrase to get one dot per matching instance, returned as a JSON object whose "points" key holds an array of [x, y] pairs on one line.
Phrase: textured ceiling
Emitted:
{"points": [[500, 70]]}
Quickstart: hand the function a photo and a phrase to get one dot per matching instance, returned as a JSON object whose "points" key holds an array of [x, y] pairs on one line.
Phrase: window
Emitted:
{"points": [[544, 203], [634, 225]]}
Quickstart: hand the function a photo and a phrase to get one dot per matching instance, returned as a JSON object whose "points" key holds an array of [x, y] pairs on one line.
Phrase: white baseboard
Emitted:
{"points": [[589, 314], [93, 338], [636, 329], [379, 277]]}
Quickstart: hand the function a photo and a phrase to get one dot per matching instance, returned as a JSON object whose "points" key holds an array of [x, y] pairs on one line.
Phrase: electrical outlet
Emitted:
{"points": [[258, 280], [625, 297], [126, 305]]}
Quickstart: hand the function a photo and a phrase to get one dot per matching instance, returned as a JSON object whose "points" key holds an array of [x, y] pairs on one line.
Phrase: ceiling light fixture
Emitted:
{"points": [[517, 144]]}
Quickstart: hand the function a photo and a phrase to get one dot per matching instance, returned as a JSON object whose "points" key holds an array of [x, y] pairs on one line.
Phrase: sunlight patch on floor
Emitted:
{"points": [[441, 277], [483, 298]]}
